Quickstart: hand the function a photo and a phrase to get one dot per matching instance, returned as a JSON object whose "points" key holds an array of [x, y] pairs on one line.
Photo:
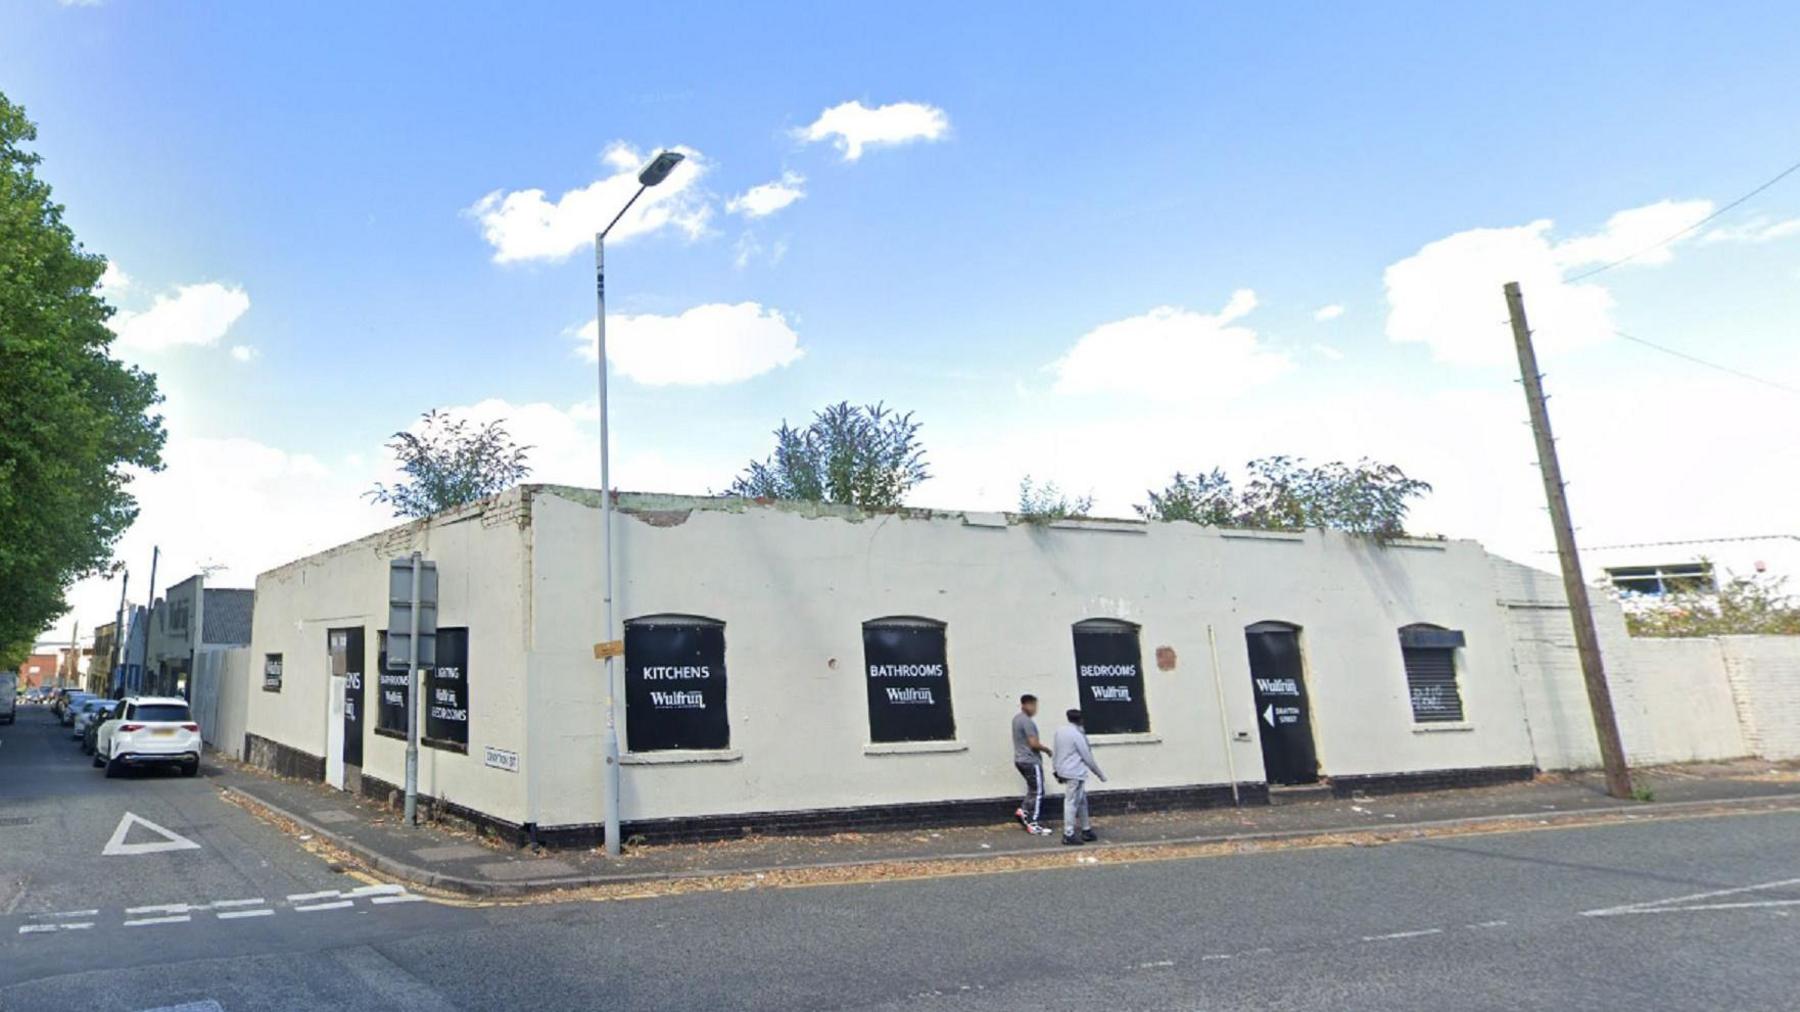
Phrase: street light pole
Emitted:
{"points": [[654, 173]]}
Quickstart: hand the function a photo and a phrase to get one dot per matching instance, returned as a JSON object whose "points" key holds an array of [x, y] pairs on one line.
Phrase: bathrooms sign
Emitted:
{"points": [[675, 685], [1109, 676], [909, 682], [390, 699]]}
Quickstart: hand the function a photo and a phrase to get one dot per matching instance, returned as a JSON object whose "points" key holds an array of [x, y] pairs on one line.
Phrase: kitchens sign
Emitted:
{"points": [[675, 684]]}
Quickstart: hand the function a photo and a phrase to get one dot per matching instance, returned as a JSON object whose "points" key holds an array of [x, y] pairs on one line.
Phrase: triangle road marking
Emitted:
{"points": [[117, 847]]}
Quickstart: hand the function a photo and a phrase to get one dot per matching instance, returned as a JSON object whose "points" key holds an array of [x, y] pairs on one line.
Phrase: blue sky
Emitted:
{"points": [[1095, 187]]}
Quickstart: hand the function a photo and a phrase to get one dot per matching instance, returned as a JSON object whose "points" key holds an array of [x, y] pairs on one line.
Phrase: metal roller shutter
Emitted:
{"points": [[1431, 682]]}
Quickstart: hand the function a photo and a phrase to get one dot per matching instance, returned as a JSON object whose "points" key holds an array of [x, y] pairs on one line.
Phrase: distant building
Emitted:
{"points": [[172, 633], [1700, 565], [38, 670]]}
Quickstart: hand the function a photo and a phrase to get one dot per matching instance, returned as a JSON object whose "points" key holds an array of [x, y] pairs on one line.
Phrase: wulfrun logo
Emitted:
{"points": [[910, 695], [678, 700]]}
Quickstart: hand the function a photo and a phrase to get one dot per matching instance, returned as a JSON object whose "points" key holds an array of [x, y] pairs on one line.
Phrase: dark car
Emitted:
{"points": [[89, 734]]}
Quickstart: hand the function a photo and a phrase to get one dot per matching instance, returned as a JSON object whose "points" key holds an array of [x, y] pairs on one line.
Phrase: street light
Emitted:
{"points": [[654, 173]]}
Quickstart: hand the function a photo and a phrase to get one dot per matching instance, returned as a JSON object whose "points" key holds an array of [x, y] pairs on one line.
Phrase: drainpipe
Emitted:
{"points": [[1212, 647]]}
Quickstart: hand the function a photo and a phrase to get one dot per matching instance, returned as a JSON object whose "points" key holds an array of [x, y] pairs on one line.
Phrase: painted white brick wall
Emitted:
{"points": [[1764, 673]]}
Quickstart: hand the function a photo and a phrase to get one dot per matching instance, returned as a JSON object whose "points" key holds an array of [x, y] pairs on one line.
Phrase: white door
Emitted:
{"points": [[334, 733]]}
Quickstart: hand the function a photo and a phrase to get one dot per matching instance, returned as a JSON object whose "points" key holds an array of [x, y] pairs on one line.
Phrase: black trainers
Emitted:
{"points": [[1087, 836], [1070, 840]]}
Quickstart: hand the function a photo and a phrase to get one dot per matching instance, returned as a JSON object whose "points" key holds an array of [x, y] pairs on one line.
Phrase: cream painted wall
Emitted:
{"points": [[794, 587], [483, 559]]}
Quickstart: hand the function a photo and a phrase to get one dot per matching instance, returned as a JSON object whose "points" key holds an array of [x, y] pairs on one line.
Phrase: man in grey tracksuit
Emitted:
{"points": [[1073, 761], [1027, 749]]}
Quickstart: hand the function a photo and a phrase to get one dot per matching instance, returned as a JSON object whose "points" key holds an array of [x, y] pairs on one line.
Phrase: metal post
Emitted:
{"points": [[116, 663], [149, 613], [197, 635], [1587, 641], [74, 656], [611, 745], [412, 703]]}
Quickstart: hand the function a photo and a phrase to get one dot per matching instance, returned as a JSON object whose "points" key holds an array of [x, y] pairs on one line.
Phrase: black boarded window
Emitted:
{"points": [[1109, 677], [1429, 655], [675, 684], [908, 679], [447, 693]]}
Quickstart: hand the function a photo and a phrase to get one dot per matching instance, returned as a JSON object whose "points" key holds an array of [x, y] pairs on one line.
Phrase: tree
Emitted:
{"points": [[1744, 605], [1285, 493], [865, 456], [451, 463], [74, 421], [1040, 504]]}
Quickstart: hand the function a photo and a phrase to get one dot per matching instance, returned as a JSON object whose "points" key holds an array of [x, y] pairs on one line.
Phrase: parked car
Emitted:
{"points": [[90, 737], [85, 714], [149, 730], [71, 703], [9, 688]]}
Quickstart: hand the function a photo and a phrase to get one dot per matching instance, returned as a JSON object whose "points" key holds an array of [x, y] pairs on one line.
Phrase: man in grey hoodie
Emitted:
{"points": [[1073, 761]]}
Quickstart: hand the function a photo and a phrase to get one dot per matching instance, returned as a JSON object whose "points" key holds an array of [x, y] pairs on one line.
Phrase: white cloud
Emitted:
{"points": [[1447, 296], [854, 126], [1761, 230], [1172, 353], [710, 344], [1329, 352], [195, 315], [524, 225], [242, 352], [1635, 231], [765, 199], [114, 280], [1330, 312]]}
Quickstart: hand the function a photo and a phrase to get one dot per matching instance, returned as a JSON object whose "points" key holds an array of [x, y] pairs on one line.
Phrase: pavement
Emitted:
{"points": [[1694, 908], [441, 858]]}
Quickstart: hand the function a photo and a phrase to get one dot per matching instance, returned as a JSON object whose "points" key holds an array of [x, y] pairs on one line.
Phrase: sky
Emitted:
{"points": [[1093, 245]]}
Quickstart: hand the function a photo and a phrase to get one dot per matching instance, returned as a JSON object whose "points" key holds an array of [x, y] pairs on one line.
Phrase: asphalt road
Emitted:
{"points": [[1700, 913]]}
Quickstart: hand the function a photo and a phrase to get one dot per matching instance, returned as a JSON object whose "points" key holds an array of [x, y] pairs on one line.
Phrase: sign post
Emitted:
{"points": [[412, 604]]}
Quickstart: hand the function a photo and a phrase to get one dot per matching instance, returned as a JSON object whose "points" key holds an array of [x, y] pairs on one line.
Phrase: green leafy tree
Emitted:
{"points": [[1744, 605], [451, 463], [866, 456], [1043, 503], [74, 421], [1286, 493]]}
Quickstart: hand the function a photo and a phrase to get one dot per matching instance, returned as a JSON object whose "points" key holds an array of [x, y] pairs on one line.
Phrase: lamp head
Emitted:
{"points": [[660, 167]]}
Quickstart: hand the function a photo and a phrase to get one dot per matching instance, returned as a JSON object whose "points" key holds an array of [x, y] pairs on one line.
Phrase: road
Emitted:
{"points": [[1669, 914]]}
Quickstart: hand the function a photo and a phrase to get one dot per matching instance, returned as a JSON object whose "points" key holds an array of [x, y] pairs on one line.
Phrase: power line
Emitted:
{"points": [[1783, 174], [1739, 373]]}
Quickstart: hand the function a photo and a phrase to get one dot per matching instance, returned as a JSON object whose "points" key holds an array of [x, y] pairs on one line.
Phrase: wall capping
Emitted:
{"points": [[1298, 537], [914, 747], [681, 757], [1439, 728]]}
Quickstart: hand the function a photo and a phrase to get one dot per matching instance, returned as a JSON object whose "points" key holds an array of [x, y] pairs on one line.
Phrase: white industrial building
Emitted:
{"points": [[805, 666]]}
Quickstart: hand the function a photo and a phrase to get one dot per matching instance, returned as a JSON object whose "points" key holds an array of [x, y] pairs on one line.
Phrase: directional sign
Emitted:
{"points": [[171, 840], [1269, 714]]}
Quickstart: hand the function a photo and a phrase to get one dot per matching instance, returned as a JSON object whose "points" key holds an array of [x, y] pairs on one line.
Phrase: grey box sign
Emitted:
{"points": [[400, 614]]}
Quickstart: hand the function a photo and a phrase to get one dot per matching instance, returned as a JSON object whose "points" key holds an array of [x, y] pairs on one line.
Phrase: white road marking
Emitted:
{"points": [[375, 890], [304, 897], [339, 905], [1158, 965], [1217, 955], [1485, 924], [117, 847], [1745, 905], [27, 929], [66, 915], [1403, 934], [1661, 906], [237, 903], [403, 898], [147, 921], [226, 915], [160, 908]]}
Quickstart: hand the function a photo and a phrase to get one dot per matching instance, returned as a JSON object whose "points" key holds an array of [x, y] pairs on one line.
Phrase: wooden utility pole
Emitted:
{"points": [[1587, 642]]}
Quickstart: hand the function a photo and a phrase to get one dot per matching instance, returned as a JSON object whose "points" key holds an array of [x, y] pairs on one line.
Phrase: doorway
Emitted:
{"points": [[1283, 720]]}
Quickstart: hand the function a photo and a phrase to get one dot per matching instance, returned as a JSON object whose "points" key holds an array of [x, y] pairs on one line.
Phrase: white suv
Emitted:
{"points": [[147, 730]]}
